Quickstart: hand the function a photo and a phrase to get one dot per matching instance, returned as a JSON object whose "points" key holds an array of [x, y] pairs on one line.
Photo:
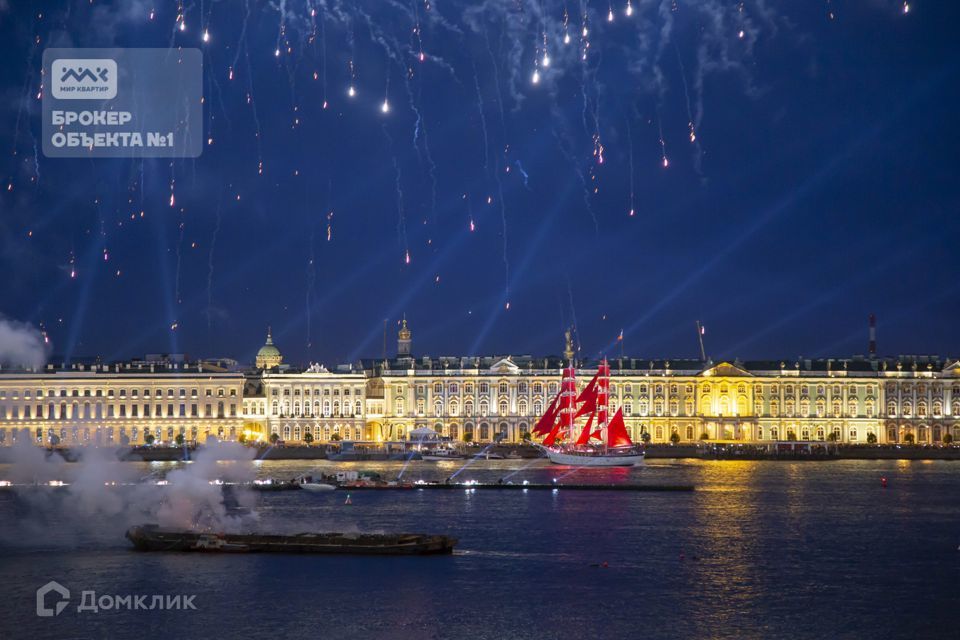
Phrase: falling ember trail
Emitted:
{"points": [[630, 156], [401, 217], [663, 144]]}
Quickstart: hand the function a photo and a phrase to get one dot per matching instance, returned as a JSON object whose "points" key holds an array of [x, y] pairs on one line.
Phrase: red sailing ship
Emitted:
{"points": [[599, 442]]}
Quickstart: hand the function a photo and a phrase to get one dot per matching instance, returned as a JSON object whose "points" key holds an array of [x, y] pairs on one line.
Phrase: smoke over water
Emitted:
{"points": [[103, 496], [22, 345]]}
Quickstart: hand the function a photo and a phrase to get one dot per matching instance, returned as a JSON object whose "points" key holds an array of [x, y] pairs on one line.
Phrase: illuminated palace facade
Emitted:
{"points": [[853, 400]]}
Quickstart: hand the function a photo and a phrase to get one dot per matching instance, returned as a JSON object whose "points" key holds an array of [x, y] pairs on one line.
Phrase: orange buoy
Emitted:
{"points": [[883, 482]]}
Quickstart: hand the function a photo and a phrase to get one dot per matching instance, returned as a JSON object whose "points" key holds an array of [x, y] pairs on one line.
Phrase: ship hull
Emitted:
{"points": [[150, 538], [597, 459]]}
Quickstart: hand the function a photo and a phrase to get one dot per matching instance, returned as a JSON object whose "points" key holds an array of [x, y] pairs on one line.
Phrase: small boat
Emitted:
{"points": [[440, 454], [307, 483], [490, 455], [317, 487], [152, 538]]}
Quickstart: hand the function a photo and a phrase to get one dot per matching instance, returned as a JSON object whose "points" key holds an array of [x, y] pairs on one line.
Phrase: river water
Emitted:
{"points": [[761, 549]]}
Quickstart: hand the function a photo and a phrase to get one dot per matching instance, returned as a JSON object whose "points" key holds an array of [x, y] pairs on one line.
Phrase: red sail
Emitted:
{"points": [[585, 434], [546, 422], [590, 389], [551, 438], [617, 432], [589, 400]]}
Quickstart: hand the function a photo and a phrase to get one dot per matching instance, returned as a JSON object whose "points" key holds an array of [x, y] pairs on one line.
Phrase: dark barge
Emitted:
{"points": [[152, 538]]}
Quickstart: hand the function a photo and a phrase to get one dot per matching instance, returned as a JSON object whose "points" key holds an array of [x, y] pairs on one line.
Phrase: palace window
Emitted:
{"points": [[503, 387], [484, 408], [503, 408], [628, 408], [399, 407], [468, 408], [437, 387], [484, 388], [852, 408], [522, 407], [454, 388], [522, 387], [537, 387], [537, 407]]}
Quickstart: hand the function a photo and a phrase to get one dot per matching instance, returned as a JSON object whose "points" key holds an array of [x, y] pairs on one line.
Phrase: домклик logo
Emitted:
{"points": [[47, 612], [84, 79]]}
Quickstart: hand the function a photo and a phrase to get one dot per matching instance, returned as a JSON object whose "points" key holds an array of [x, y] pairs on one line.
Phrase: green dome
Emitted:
{"points": [[269, 356]]}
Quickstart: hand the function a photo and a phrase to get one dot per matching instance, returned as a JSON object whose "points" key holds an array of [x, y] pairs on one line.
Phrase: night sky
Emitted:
{"points": [[821, 185]]}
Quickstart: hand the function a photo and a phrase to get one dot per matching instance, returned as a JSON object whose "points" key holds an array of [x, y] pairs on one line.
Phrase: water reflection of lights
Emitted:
{"points": [[5, 483]]}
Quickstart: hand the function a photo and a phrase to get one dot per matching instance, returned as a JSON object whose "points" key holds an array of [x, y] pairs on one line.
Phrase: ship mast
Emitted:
{"points": [[603, 399], [568, 390]]}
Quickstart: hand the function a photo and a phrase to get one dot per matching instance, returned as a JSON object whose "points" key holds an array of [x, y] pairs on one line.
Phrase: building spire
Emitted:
{"points": [[404, 338]]}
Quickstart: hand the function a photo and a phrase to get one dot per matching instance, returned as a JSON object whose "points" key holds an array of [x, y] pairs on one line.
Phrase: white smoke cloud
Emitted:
{"points": [[104, 496], [22, 345]]}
